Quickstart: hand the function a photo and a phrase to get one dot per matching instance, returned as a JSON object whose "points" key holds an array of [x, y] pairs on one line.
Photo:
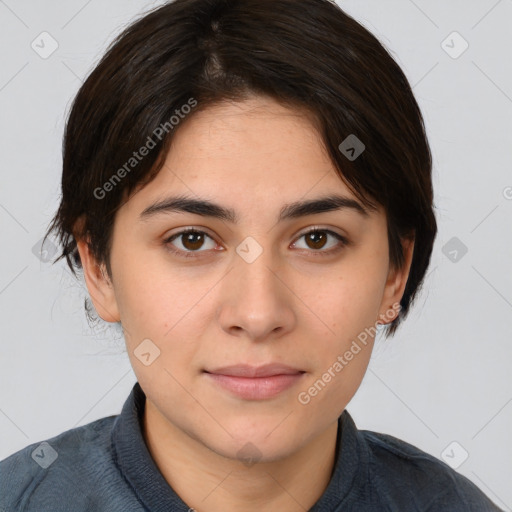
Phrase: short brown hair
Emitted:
{"points": [[306, 54]]}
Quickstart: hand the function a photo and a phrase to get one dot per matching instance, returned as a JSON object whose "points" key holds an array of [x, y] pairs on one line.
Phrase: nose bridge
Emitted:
{"points": [[255, 299], [254, 269]]}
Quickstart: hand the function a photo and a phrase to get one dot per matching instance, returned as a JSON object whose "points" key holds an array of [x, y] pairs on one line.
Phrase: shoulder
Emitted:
{"points": [[66, 466], [416, 480]]}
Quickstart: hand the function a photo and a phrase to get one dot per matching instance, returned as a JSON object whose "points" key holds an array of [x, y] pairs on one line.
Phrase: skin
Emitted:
{"points": [[290, 305]]}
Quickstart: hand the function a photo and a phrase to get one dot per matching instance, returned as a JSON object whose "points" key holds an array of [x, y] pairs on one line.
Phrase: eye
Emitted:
{"points": [[191, 240], [317, 239]]}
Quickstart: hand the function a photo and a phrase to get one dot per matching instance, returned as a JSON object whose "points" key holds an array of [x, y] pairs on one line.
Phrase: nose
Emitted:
{"points": [[256, 301]]}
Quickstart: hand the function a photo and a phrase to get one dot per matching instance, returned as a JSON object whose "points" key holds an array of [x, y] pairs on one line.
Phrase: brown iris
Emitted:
{"points": [[193, 240], [317, 238]]}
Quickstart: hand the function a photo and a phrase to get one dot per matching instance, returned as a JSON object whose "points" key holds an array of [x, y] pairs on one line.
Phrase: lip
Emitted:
{"points": [[266, 370], [256, 383]]}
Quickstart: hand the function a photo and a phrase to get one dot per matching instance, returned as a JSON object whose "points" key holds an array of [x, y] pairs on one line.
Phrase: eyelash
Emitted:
{"points": [[193, 254]]}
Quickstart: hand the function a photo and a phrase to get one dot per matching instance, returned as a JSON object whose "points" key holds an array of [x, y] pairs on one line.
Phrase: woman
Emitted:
{"points": [[247, 189]]}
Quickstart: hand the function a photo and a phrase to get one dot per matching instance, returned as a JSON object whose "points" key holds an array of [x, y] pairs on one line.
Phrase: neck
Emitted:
{"points": [[215, 483]]}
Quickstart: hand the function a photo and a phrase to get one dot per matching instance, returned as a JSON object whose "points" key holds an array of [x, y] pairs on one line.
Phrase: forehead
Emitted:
{"points": [[258, 127], [257, 153]]}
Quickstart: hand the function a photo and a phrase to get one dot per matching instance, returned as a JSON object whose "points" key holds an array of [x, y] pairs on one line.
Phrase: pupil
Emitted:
{"points": [[316, 237], [189, 239]]}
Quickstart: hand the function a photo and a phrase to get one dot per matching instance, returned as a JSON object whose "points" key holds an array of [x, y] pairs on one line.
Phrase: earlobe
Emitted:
{"points": [[395, 285], [98, 284]]}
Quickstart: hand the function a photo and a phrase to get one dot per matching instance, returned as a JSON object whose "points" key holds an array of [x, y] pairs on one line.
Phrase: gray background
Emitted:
{"points": [[444, 377]]}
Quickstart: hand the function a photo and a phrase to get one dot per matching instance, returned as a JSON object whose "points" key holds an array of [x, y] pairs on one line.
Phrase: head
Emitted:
{"points": [[221, 116]]}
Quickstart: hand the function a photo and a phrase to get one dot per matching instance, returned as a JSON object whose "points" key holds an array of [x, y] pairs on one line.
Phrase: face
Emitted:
{"points": [[296, 291]]}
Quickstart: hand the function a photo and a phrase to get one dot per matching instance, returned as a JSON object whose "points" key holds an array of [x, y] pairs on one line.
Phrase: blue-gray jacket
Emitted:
{"points": [[105, 466]]}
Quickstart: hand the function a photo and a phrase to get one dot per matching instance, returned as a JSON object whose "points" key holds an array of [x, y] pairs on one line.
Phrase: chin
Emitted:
{"points": [[263, 441], [251, 451]]}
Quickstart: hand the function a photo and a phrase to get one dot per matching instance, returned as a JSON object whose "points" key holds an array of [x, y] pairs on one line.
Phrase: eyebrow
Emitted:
{"points": [[295, 210]]}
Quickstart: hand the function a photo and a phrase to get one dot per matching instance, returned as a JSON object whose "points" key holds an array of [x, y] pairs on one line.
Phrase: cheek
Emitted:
{"points": [[348, 301], [145, 295], [341, 357], [349, 305], [166, 305], [164, 310]]}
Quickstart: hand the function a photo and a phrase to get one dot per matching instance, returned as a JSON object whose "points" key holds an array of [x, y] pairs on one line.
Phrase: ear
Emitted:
{"points": [[395, 285], [99, 285]]}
